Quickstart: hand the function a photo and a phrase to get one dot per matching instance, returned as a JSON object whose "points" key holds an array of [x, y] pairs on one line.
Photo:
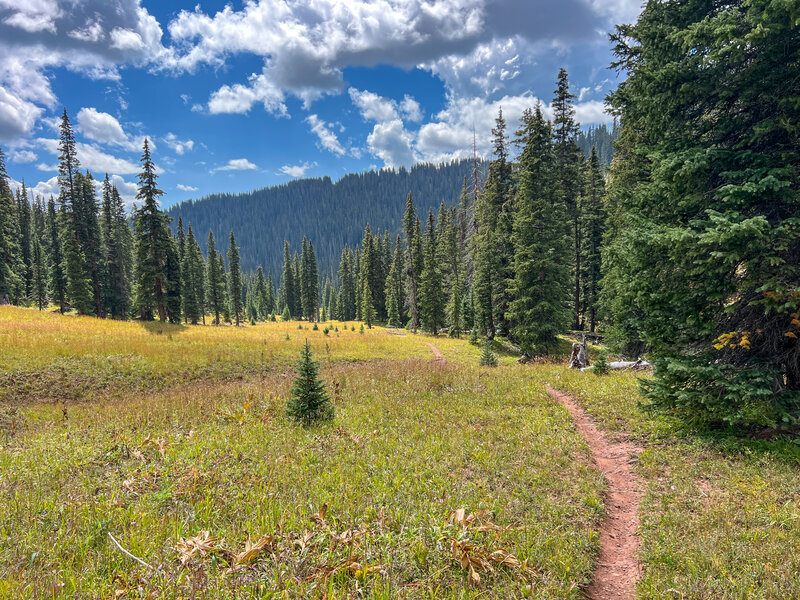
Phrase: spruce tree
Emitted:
{"points": [[235, 281], [313, 283], [394, 285], [488, 357], [39, 276], [592, 224], [269, 305], [12, 284], [305, 300], [431, 295], [568, 157], [309, 401], [224, 289], [215, 283], [367, 305], [260, 295], [152, 245], [541, 261], [57, 279], [413, 261], [346, 303], [192, 272], [25, 240], [709, 220]]}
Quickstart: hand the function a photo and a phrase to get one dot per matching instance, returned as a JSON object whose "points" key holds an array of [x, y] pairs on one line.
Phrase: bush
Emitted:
{"points": [[315, 327], [601, 364], [488, 358], [309, 402], [361, 331]]}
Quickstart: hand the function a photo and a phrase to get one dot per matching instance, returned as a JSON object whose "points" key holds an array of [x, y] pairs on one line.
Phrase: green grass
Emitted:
{"points": [[156, 433]]}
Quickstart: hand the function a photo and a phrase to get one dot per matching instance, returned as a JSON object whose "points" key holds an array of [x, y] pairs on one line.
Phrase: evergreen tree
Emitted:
{"points": [[39, 285], [287, 279], [57, 279], [172, 270], [707, 208], [297, 307], [215, 280], [88, 233], [592, 224], [488, 357], [394, 286], [313, 283], [367, 305], [431, 295], [224, 289], [152, 244], [541, 285], [119, 256], [346, 303], [309, 401], [235, 281], [192, 275], [305, 300], [260, 296], [25, 240], [12, 285], [269, 304], [565, 131], [413, 261]]}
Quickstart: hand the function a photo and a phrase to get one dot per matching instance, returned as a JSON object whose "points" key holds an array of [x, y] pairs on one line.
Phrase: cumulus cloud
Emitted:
{"points": [[106, 129], [236, 164], [326, 136], [240, 98], [178, 146], [22, 156], [391, 142], [186, 188], [44, 34], [297, 170], [372, 106], [411, 109], [92, 158]]}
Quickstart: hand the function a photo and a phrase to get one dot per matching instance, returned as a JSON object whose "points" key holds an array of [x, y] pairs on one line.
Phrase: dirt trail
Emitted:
{"points": [[437, 354], [617, 569]]}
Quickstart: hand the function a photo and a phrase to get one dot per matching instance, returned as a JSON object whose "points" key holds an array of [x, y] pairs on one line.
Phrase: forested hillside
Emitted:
{"points": [[600, 138], [332, 214]]}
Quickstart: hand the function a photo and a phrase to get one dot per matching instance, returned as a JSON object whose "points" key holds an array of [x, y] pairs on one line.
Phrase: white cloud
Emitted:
{"points": [[240, 98], [127, 190], [411, 109], [327, 138], [186, 188], [372, 106], [93, 159], [106, 129], [236, 164], [391, 142], [178, 146], [22, 156], [48, 188], [297, 170]]}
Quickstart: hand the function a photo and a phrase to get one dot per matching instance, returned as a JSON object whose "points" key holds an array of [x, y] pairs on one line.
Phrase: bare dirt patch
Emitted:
{"points": [[617, 569], [437, 354]]}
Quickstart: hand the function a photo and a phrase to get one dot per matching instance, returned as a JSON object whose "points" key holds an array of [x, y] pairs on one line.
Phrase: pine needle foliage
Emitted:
{"points": [[488, 357]]}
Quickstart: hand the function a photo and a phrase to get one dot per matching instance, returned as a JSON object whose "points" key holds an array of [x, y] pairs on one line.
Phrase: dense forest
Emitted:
{"points": [[686, 248], [331, 213]]}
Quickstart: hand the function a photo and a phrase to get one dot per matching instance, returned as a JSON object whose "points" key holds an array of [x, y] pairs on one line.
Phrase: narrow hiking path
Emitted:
{"points": [[617, 569], [437, 354]]}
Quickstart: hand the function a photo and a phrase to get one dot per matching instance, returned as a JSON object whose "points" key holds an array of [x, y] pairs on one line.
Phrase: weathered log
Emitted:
{"points": [[621, 365], [580, 356]]}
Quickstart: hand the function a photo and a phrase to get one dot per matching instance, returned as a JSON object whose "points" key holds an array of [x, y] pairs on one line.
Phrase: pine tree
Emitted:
{"points": [[119, 256], [235, 281], [707, 206], [192, 273], [57, 279], [413, 261], [313, 283], [153, 245], [39, 284], [431, 295], [224, 289], [25, 240], [305, 301], [297, 307], [88, 233], [12, 284], [541, 284], [346, 303], [309, 401], [592, 223], [215, 282], [394, 286], [568, 157], [172, 270], [260, 295], [269, 305], [367, 305], [488, 357]]}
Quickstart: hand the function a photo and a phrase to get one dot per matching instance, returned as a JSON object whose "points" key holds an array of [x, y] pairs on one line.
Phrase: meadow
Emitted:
{"points": [[436, 479]]}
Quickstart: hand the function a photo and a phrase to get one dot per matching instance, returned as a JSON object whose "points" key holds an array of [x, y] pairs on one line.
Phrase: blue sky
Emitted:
{"points": [[240, 95]]}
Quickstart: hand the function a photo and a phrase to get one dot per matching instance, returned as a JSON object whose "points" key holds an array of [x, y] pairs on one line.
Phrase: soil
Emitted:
{"points": [[617, 569], [437, 354]]}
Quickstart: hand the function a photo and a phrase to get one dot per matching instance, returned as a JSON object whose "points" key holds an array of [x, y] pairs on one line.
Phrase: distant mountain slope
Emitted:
{"points": [[330, 214]]}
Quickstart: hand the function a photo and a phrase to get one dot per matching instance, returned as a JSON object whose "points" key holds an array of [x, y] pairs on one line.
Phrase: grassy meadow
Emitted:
{"points": [[435, 480]]}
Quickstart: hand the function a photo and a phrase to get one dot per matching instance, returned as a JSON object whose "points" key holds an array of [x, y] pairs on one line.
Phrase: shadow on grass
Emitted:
{"points": [[161, 327]]}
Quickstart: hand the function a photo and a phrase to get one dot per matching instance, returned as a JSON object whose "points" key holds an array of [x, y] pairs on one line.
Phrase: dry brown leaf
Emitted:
{"points": [[487, 527], [128, 484], [251, 550], [457, 516], [200, 545], [474, 579], [319, 517], [505, 559]]}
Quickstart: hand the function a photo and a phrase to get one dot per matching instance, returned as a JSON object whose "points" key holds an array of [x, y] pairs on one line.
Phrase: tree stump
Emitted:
{"points": [[580, 356]]}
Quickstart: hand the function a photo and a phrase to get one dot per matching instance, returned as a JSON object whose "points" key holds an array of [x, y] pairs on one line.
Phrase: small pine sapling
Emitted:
{"points": [[361, 331], [315, 327], [600, 366], [473, 337], [488, 358], [309, 401]]}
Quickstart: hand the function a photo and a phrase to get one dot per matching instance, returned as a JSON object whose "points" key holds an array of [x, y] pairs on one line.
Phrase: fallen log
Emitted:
{"points": [[620, 365]]}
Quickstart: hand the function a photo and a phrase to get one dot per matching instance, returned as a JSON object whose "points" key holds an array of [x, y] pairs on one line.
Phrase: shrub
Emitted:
{"points": [[309, 401], [601, 364], [488, 358], [473, 337]]}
